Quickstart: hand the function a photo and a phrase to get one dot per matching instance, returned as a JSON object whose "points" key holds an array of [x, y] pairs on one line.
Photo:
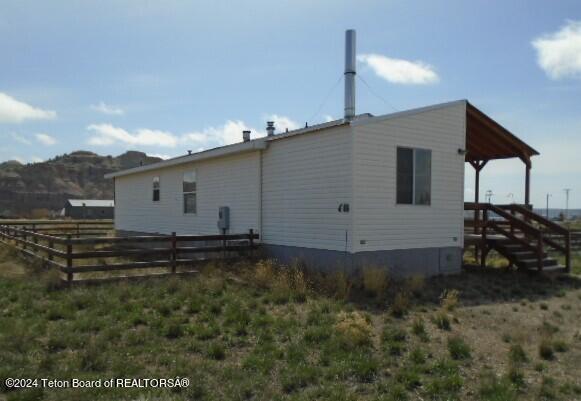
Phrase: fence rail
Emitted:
{"points": [[64, 252], [76, 228]]}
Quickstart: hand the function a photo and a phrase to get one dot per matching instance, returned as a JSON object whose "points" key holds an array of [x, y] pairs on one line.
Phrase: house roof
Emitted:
{"points": [[485, 139], [488, 140], [91, 202], [241, 147]]}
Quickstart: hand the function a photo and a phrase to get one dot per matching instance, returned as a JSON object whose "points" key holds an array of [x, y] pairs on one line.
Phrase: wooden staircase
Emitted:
{"points": [[526, 239]]}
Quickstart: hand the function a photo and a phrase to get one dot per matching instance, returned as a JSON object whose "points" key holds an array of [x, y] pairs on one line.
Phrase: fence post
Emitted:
{"points": [[173, 255], [69, 259], [24, 237], [78, 230], [251, 243]]}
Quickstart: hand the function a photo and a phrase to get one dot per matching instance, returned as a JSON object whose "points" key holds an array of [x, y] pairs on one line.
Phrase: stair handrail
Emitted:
{"points": [[536, 217], [551, 225], [530, 230]]}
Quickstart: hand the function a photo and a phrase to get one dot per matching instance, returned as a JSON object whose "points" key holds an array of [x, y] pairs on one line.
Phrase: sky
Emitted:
{"points": [[169, 76]]}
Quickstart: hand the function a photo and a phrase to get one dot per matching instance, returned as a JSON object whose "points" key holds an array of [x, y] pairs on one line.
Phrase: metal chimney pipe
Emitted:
{"points": [[350, 71], [245, 136], [270, 128]]}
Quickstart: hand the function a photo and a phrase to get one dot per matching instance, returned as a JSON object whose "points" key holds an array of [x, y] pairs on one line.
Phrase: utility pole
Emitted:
{"points": [[567, 190], [547, 214]]}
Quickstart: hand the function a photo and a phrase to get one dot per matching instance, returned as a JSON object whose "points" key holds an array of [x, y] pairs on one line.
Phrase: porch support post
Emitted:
{"points": [[527, 182], [478, 165], [476, 198]]}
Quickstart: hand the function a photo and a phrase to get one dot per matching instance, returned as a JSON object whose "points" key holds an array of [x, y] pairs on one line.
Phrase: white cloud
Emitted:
{"points": [[14, 111], [45, 139], [328, 118], [228, 133], [281, 123], [106, 134], [18, 159], [23, 160], [400, 71], [161, 156], [20, 139], [108, 109], [559, 53]]}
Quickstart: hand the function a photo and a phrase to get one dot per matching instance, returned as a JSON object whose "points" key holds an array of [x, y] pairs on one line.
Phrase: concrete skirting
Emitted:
{"points": [[399, 262]]}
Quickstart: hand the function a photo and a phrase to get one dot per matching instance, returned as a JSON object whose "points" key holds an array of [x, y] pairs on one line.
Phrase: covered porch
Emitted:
{"points": [[514, 230], [487, 140]]}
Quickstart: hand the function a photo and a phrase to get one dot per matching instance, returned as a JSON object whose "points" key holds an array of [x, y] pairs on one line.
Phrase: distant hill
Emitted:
{"points": [[36, 188]]}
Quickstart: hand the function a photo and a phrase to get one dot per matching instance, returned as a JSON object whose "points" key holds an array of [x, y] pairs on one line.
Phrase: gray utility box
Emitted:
{"points": [[223, 217]]}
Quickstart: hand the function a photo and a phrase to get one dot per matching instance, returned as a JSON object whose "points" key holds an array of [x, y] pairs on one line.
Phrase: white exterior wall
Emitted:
{"points": [[304, 180], [378, 221], [226, 181]]}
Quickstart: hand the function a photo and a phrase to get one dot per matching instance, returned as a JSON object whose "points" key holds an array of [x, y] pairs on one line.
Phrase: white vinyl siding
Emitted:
{"points": [[227, 181], [296, 192], [381, 223], [304, 181]]}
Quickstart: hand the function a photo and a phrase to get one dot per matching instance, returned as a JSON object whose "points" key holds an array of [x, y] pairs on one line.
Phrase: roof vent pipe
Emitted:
{"points": [[270, 128], [350, 71], [246, 136]]}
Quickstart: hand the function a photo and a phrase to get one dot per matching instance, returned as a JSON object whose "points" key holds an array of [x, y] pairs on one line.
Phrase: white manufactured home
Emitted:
{"points": [[363, 190]]}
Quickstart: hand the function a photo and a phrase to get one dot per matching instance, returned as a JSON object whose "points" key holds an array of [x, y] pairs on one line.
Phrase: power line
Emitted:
{"points": [[376, 94], [326, 98]]}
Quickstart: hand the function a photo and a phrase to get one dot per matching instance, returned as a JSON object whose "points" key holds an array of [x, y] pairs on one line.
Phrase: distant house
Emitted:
{"points": [[360, 191], [89, 208]]}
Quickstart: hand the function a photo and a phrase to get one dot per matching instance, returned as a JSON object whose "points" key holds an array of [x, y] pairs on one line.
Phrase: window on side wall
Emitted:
{"points": [[189, 190], [156, 193], [414, 176]]}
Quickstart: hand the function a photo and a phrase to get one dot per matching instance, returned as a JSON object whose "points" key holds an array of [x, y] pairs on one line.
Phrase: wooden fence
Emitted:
{"points": [[76, 228], [143, 252]]}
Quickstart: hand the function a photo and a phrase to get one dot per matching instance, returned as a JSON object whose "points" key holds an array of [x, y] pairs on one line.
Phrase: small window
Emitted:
{"points": [[156, 189], [414, 176], [189, 190]]}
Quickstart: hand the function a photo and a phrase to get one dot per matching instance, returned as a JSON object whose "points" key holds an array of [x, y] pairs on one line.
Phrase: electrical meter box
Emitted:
{"points": [[223, 217]]}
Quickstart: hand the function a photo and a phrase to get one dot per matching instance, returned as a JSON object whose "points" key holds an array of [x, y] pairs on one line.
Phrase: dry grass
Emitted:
{"points": [[246, 332], [264, 273], [450, 299], [337, 285], [415, 284], [354, 328], [375, 281], [401, 304]]}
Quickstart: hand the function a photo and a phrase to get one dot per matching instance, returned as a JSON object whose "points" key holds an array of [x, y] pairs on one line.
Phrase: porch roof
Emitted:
{"points": [[488, 140]]}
